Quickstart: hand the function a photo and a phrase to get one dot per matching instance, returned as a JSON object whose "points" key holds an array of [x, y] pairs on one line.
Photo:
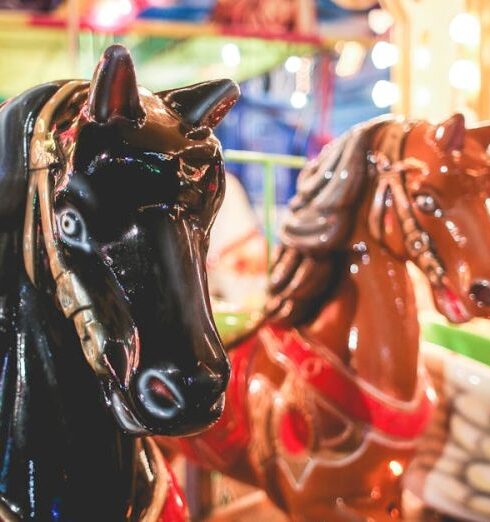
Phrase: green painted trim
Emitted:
{"points": [[268, 162], [458, 341], [161, 63], [269, 207], [247, 156]]}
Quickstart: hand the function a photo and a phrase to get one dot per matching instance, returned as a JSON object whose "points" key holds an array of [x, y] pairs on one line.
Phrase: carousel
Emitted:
{"points": [[245, 261]]}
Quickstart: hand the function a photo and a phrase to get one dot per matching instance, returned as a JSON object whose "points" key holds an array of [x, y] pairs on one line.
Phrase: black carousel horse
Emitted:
{"points": [[107, 195]]}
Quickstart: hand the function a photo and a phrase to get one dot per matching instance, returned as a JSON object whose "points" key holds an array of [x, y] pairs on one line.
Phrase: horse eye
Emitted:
{"points": [[426, 203], [71, 226]]}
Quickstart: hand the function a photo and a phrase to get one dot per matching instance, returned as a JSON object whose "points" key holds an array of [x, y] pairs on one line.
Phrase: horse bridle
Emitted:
{"points": [[74, 301], [391, 168]]}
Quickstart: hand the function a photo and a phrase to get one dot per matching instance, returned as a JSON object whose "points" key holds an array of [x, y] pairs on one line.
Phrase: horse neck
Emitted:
{"points": [[371, 323], [61, 453]]}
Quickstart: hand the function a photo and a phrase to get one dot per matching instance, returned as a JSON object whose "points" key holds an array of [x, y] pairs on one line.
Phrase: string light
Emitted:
{"points": [[385, 93], [384, 55], [464, 75], [293, 64], [379, 21], [465, 29], [298, 99], [351, 59], [230, 54], [110, 14]]}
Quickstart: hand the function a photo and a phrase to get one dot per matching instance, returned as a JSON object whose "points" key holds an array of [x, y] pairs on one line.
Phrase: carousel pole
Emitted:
{"points": [[481, 10]]}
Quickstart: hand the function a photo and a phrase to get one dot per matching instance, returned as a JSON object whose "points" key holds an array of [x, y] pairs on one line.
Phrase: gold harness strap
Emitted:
{"points": [[155, 475], [391, 168], [73, 299]]}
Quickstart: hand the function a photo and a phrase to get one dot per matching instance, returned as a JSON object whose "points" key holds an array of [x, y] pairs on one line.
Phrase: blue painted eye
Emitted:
{"points": [[71, 227]]}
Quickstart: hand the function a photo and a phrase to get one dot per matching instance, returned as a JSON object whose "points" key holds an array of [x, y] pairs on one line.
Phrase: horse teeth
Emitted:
{"points": [[478, 476]]}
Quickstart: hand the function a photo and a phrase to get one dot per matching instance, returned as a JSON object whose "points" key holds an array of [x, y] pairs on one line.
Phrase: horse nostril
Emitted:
{"points": [[480, 292], [160, 390], [158, 394]]}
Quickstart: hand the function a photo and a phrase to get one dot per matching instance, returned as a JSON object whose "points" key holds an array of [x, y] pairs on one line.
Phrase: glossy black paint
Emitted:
{"points": [[136, 189]]}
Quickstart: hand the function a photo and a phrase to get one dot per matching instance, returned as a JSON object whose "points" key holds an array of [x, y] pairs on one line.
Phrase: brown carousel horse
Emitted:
{"points": [[327, 397]]}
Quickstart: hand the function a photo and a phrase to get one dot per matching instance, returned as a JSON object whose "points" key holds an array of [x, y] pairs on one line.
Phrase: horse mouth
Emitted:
{"points": [[125, 417], [451, 305]]}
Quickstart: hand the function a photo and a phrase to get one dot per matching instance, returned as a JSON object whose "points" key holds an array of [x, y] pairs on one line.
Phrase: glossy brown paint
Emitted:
{"points": [[341, 289]]}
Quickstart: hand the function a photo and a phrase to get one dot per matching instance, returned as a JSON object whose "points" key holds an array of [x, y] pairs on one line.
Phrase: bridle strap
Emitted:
{"points": [[41, 159], [391, 168], [74, 301]]}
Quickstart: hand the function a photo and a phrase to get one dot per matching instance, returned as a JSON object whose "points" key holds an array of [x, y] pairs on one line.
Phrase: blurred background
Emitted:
{"points": [[308, 69]]}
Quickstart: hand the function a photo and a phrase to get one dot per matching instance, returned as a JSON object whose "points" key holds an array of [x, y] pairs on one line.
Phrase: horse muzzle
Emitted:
{"points": [[174, 403]]}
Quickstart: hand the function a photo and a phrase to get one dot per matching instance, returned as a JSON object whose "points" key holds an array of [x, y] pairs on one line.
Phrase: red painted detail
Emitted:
{"points": [[175, 507], [294, 431], [223, 444], [393, 417]]}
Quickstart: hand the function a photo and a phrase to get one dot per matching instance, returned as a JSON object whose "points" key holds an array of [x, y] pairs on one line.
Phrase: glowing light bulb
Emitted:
{"points": [[385, 93], [465, 29], [351, 59], [110, 14], [465, 75], [384, 55], [293, 64], [379, 21], [230, 54], [298, 99]]}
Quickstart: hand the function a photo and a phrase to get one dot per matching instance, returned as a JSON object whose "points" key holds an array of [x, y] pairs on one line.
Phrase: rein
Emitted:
{"points": [[391, 168], [74, 301]]}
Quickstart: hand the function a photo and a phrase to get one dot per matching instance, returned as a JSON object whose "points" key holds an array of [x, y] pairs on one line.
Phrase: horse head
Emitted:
{"points": [[123, 187], [432, 207]]}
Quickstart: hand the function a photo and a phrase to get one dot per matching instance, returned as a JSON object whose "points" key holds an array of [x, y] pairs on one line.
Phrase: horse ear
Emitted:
{"points": [[449, 135], [113, 90], [202, 104]]}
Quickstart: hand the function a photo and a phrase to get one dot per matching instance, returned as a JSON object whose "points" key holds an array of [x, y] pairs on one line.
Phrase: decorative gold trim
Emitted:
{"points": [[157, 475], [390, 167], [73, 298], [40, 160]]}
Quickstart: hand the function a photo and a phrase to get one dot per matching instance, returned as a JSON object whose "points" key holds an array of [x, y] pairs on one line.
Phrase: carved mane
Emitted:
{"points": [[314, 237]]}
